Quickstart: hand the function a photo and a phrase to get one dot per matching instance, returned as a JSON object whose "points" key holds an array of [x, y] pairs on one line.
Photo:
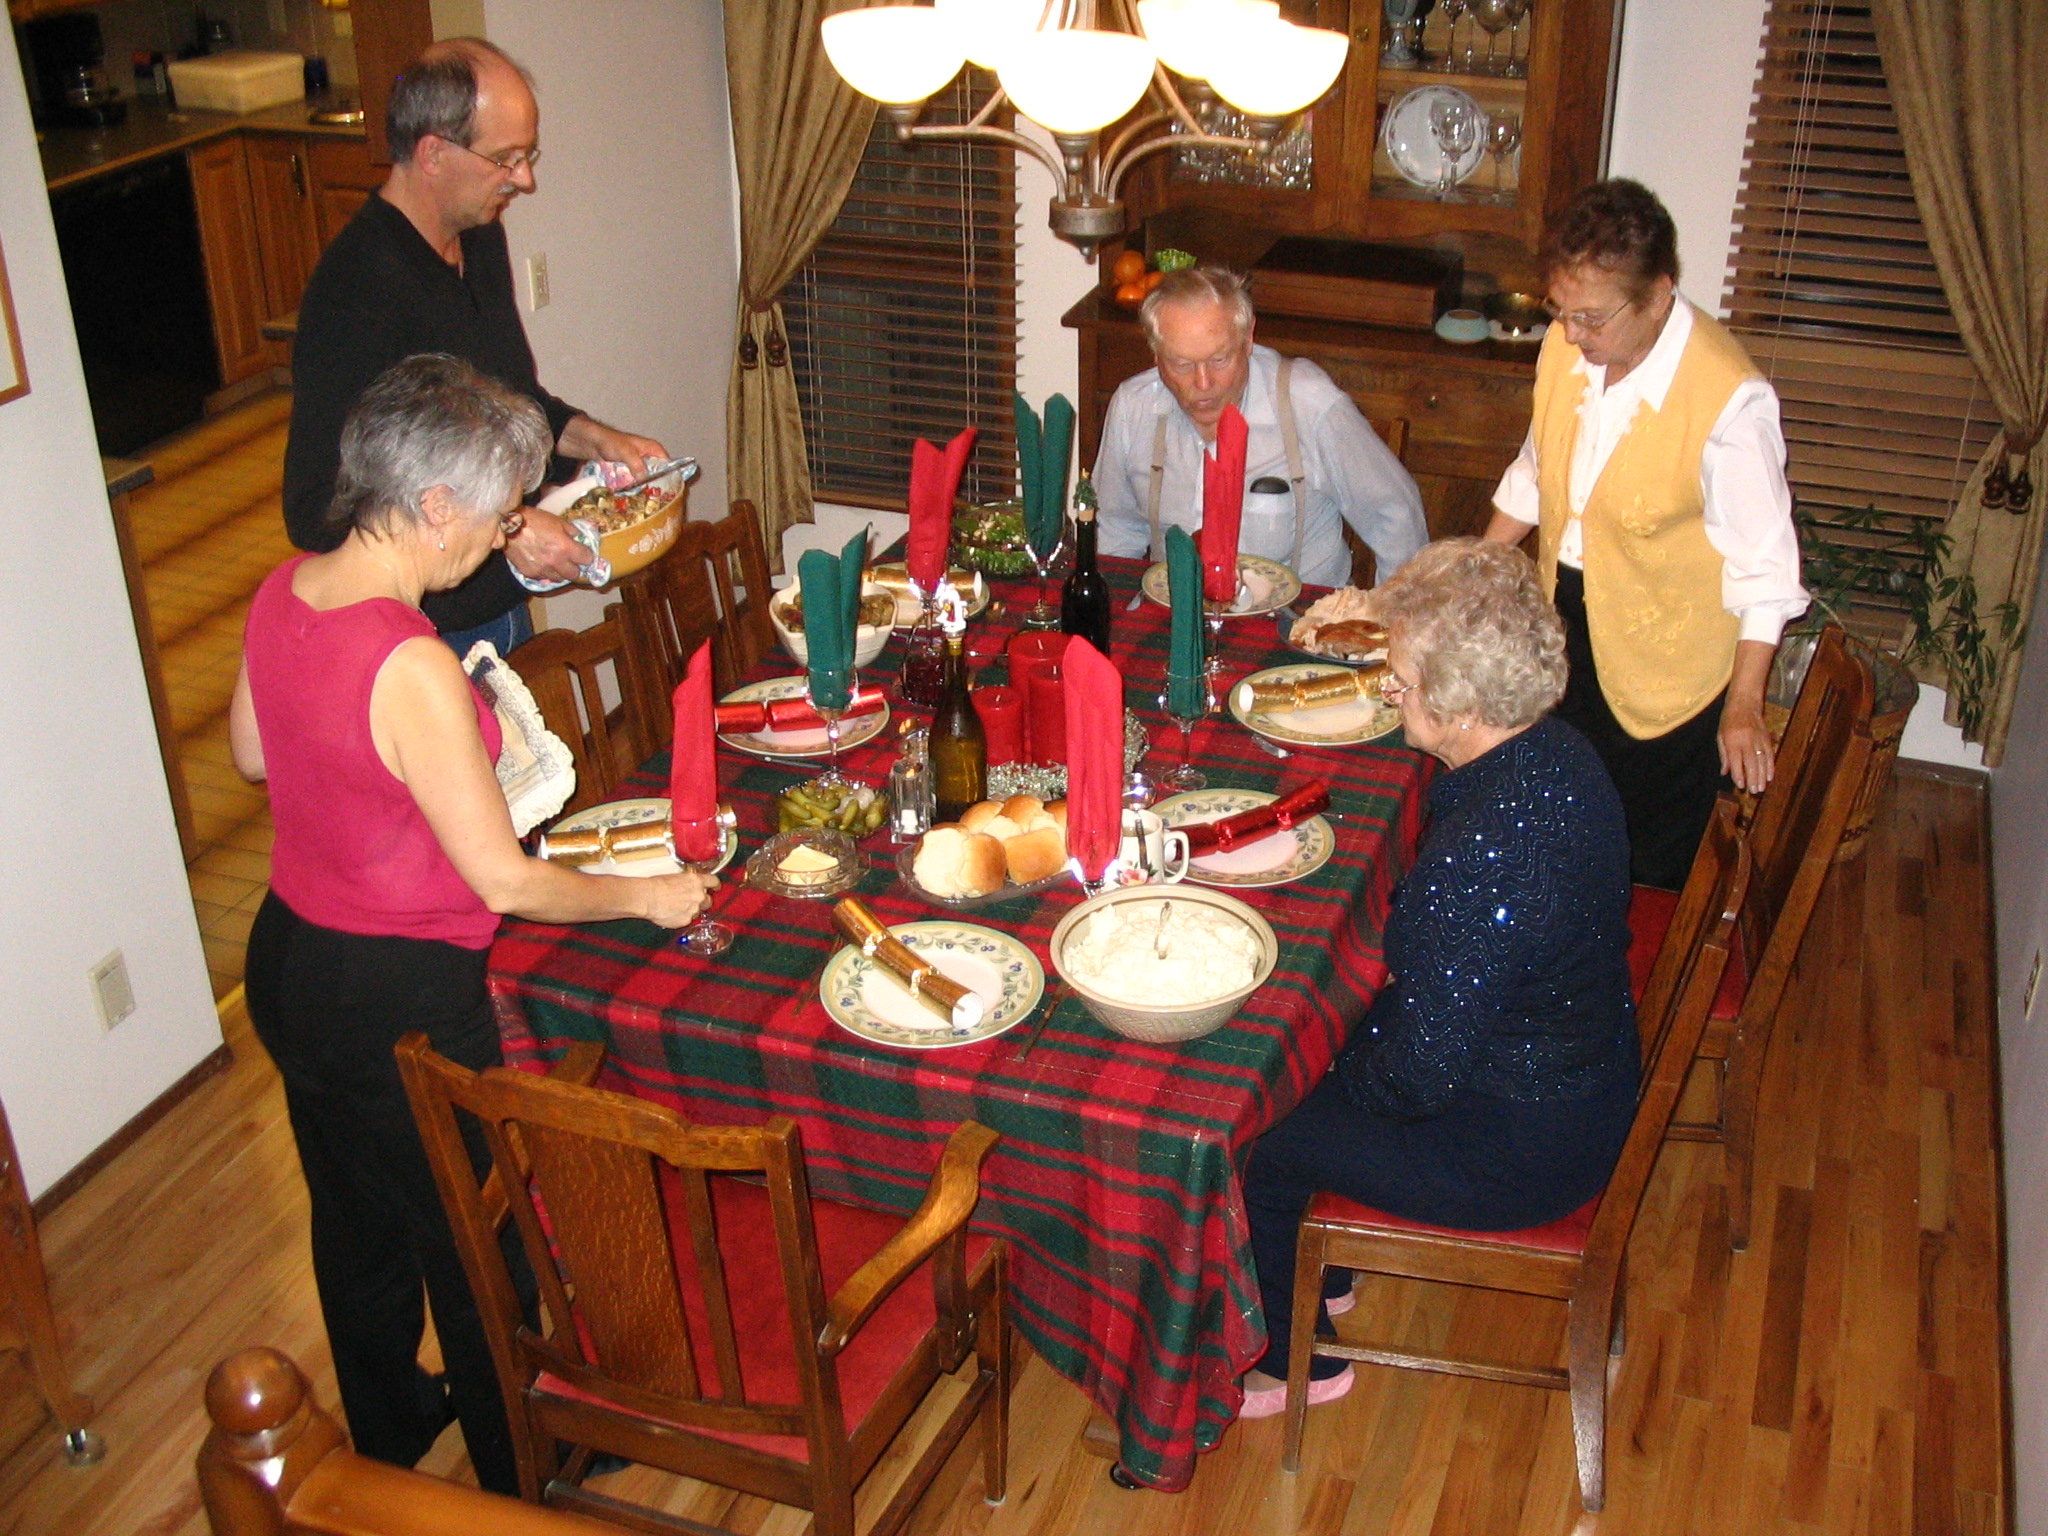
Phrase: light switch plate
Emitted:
{"points": [[111, 987], [537, 281]]}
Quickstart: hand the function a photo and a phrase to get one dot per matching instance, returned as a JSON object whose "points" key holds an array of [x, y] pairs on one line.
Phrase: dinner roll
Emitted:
{"points": [[952, 862], [1057, 810], [977, 816], [1032, 856], [1023, 810]]}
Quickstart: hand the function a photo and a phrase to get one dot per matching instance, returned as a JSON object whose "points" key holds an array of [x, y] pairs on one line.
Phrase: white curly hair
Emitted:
{"points": [[1486, 644]]}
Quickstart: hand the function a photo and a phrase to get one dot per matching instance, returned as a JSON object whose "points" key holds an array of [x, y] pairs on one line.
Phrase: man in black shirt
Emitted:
{"points": [[423, 267]]}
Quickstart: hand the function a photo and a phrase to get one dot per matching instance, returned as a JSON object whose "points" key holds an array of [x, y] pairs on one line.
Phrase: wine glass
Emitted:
{"points": [[832, 715], [1518, 64], [1454, 12], [1186, 775], [706, 936], [1492, 16], [1397, 54], [1043, 614], [1455, 123], [1503, 138]]}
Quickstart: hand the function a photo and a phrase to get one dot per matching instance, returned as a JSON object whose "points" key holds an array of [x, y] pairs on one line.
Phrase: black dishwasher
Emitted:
{"points": [[130, 246]]}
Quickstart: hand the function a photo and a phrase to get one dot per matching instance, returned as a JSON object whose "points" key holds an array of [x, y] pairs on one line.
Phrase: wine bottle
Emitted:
{"points": [[959, 746], [1084, 600]]}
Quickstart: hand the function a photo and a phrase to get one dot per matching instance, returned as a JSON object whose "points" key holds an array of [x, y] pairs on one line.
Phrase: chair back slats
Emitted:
{"points": [[1799, 819], [1673, 1016], [739, 572], [668, 610], [564, 670]]}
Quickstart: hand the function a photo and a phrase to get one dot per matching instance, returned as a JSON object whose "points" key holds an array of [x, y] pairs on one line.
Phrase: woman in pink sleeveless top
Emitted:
{"points": [[394, 858]]}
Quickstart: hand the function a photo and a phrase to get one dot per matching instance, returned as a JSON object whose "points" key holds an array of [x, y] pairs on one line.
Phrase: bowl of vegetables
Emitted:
{"points": [[1130, 281], [832, 805], [635, 528], [990, 539], [877, 620]]}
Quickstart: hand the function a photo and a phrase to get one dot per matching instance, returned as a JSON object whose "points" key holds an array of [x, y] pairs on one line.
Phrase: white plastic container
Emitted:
{"points": [[240, 80]]}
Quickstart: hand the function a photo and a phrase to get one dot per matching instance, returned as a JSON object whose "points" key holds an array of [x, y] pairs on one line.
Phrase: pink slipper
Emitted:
{"points": [[1267, 1402]]}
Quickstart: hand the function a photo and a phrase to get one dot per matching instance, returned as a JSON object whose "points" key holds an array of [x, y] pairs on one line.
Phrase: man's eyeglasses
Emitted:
{"points": [[1583, 319], [511, 163]]}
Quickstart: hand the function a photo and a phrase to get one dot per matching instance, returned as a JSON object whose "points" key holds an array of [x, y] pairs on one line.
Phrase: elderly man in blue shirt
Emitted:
{"points": [[1312, 462]]}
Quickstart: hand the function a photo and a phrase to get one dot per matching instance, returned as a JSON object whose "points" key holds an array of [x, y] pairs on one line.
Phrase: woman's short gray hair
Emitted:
{"points": [[1486, 643], [434, 420], [1199, 285]]}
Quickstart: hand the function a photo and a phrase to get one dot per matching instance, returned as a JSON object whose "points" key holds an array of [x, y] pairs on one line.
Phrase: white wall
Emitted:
{"points": [[2019, 861], [635, 216], [92, 862]]}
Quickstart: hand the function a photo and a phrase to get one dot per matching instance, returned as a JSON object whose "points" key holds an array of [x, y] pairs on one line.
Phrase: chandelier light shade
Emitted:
{"points": [[1076, 79], [1073, 81], [894, 53], [1272, 69]]}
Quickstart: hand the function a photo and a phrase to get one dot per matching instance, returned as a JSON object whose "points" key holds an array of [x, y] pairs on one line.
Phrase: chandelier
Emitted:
{"points": [[1074, 79]]}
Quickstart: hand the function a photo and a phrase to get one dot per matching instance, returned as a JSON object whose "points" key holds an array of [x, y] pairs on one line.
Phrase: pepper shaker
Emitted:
{"points": [[911, 797]]}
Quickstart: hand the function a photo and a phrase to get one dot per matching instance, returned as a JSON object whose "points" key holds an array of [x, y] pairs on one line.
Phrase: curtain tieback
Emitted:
{"points": [[2004, 487]]}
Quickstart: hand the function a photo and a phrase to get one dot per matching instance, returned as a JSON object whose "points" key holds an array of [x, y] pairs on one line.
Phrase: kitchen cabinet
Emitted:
{"points": [[234, 261], [287, 229], [388, 33], [343, 177]]}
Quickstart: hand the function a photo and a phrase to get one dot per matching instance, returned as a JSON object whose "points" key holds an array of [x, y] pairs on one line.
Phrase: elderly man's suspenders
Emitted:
{"points": [[1290, 444]]}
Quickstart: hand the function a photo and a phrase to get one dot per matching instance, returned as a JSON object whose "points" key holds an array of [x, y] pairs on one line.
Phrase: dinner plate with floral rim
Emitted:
{"points": [[866, 1000], [1287, 855], [631, 813], [1263, 586], [1334, 725], [792, 746]]}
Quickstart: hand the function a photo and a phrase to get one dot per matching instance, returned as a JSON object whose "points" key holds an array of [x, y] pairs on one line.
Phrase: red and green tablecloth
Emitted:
{"points": [[1116, 1180]]}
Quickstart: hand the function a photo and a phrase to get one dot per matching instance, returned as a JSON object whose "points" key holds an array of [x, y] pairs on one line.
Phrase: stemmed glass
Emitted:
{"points": [[1044, 615], [1518, 65], [831, 716], [1455, 123], [707, 936], [1186, 775], [1493, 18], [1454, 12], [1397, 54], [1503, 138]]}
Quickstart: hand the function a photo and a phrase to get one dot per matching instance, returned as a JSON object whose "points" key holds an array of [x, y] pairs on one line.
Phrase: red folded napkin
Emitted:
{"points": [[1223, 507], [1095, 757], [1035, 656], [693, 764], [934, 482], [1235, 831], [790, 714], [1002, 722]]}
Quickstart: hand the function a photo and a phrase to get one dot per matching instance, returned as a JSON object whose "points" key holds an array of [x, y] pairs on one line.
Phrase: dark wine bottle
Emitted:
{"points": [[959, 746], [1084, 600]]}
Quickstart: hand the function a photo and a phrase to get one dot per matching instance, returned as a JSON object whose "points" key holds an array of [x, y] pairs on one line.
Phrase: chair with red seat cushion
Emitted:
{"points": [[1578, 1259], [700, 1321], [1793, 834]]}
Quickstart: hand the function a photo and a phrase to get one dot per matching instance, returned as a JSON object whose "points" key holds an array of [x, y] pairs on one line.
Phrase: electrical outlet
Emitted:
{"points": [[2033, 987], [537, 281], [110, 985]]}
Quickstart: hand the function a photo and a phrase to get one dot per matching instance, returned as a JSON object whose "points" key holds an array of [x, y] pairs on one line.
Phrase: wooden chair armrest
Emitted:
{"points": [[352, 1495], [948, 1202]]}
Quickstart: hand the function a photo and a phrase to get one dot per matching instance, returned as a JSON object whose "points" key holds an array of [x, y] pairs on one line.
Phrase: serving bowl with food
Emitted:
{"points": [[634, 527], [877, 622], [1164, 963]]}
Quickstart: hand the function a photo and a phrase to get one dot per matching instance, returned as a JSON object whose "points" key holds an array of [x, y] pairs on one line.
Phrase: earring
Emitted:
{"points": [[441, 544]]}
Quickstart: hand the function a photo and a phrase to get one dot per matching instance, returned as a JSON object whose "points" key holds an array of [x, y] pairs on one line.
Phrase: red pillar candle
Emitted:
{"points": [[1002, 722], [1035, 669]]}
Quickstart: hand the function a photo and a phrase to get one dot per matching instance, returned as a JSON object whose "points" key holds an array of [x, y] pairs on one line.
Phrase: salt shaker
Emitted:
{"points": [[911, 799]]}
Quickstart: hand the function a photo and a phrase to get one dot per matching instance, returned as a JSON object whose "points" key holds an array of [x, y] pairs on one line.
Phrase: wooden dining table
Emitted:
{"points": [[1118, 1178]]}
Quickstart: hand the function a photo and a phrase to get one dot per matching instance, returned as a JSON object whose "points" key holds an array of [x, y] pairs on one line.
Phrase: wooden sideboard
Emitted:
{"points": [[1467, 407]]}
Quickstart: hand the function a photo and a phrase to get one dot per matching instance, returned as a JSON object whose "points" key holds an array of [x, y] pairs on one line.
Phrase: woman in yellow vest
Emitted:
{"points": [[1654, 474]]}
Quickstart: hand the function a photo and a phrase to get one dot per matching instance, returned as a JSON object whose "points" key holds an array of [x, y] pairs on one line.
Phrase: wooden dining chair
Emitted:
{"points": [[704, 1313], [1581, 1259], [1794, 831], [739, 575], [1393, 431], [666, 611], [564, 670]]}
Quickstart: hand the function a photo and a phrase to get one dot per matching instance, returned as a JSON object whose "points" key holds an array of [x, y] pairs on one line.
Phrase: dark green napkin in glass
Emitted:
{"points": [[1054, 456], [827, 636], [1187, 679], [853, 561], [1030, 463]]}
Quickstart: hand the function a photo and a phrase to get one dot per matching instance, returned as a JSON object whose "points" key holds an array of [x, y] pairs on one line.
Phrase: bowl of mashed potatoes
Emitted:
{"points": [[1217, 953]]}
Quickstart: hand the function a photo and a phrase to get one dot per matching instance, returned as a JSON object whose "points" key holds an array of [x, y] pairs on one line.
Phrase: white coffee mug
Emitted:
{"points": [[1151, 850]]}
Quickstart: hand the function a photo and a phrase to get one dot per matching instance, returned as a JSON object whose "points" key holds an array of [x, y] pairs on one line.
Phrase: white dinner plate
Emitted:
{"points": [[786, 746], [1411, 143], [866, 1000], [1263, 586], [1288, 855], [630, 813], [1334, 725]]}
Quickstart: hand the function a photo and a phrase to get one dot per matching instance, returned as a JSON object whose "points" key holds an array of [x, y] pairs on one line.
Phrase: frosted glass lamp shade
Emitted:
{"points": [[988, 27], [1075, 81], [1190, 34], [1276, 68], [894, 53]]}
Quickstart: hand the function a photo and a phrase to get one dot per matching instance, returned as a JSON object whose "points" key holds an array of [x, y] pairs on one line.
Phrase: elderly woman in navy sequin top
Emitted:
{"points": [[1492, 1083]]}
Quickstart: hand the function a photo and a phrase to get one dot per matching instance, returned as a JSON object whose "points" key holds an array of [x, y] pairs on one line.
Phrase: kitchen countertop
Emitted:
{"points": [[76, 154]]}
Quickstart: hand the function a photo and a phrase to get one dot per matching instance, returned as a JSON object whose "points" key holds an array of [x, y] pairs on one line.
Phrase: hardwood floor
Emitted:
{"points": [[1843, 1376]]}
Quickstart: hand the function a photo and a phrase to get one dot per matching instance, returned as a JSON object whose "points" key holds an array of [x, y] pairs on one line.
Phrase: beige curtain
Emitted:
{"points": [[1969, 81], [798, 131]]}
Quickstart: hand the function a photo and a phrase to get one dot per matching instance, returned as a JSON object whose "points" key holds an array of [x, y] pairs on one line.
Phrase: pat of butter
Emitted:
{"points": [[806, 860]]}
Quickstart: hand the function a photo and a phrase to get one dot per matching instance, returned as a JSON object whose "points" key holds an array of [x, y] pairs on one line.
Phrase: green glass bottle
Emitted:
{"points": [[959, 746]]}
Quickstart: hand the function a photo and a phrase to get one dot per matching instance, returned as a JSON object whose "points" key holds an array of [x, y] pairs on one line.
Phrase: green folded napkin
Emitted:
{"points": [[1187, 678], [827, 634], [1054, 456], [1030, 465], [853, 561]]}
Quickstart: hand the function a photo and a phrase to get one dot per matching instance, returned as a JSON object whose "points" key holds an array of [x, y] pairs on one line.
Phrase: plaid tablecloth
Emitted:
{"points": [[1117, 1178]]}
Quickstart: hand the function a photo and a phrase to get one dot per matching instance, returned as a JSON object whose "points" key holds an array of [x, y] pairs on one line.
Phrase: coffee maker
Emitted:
{"points": [[67, 60]]}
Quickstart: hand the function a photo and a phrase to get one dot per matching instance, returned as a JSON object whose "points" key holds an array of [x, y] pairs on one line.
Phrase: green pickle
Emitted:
{"points": [[854, 809]]}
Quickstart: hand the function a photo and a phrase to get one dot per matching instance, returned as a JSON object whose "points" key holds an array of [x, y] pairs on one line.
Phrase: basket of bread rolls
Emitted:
{"points": [[996, 850]]}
